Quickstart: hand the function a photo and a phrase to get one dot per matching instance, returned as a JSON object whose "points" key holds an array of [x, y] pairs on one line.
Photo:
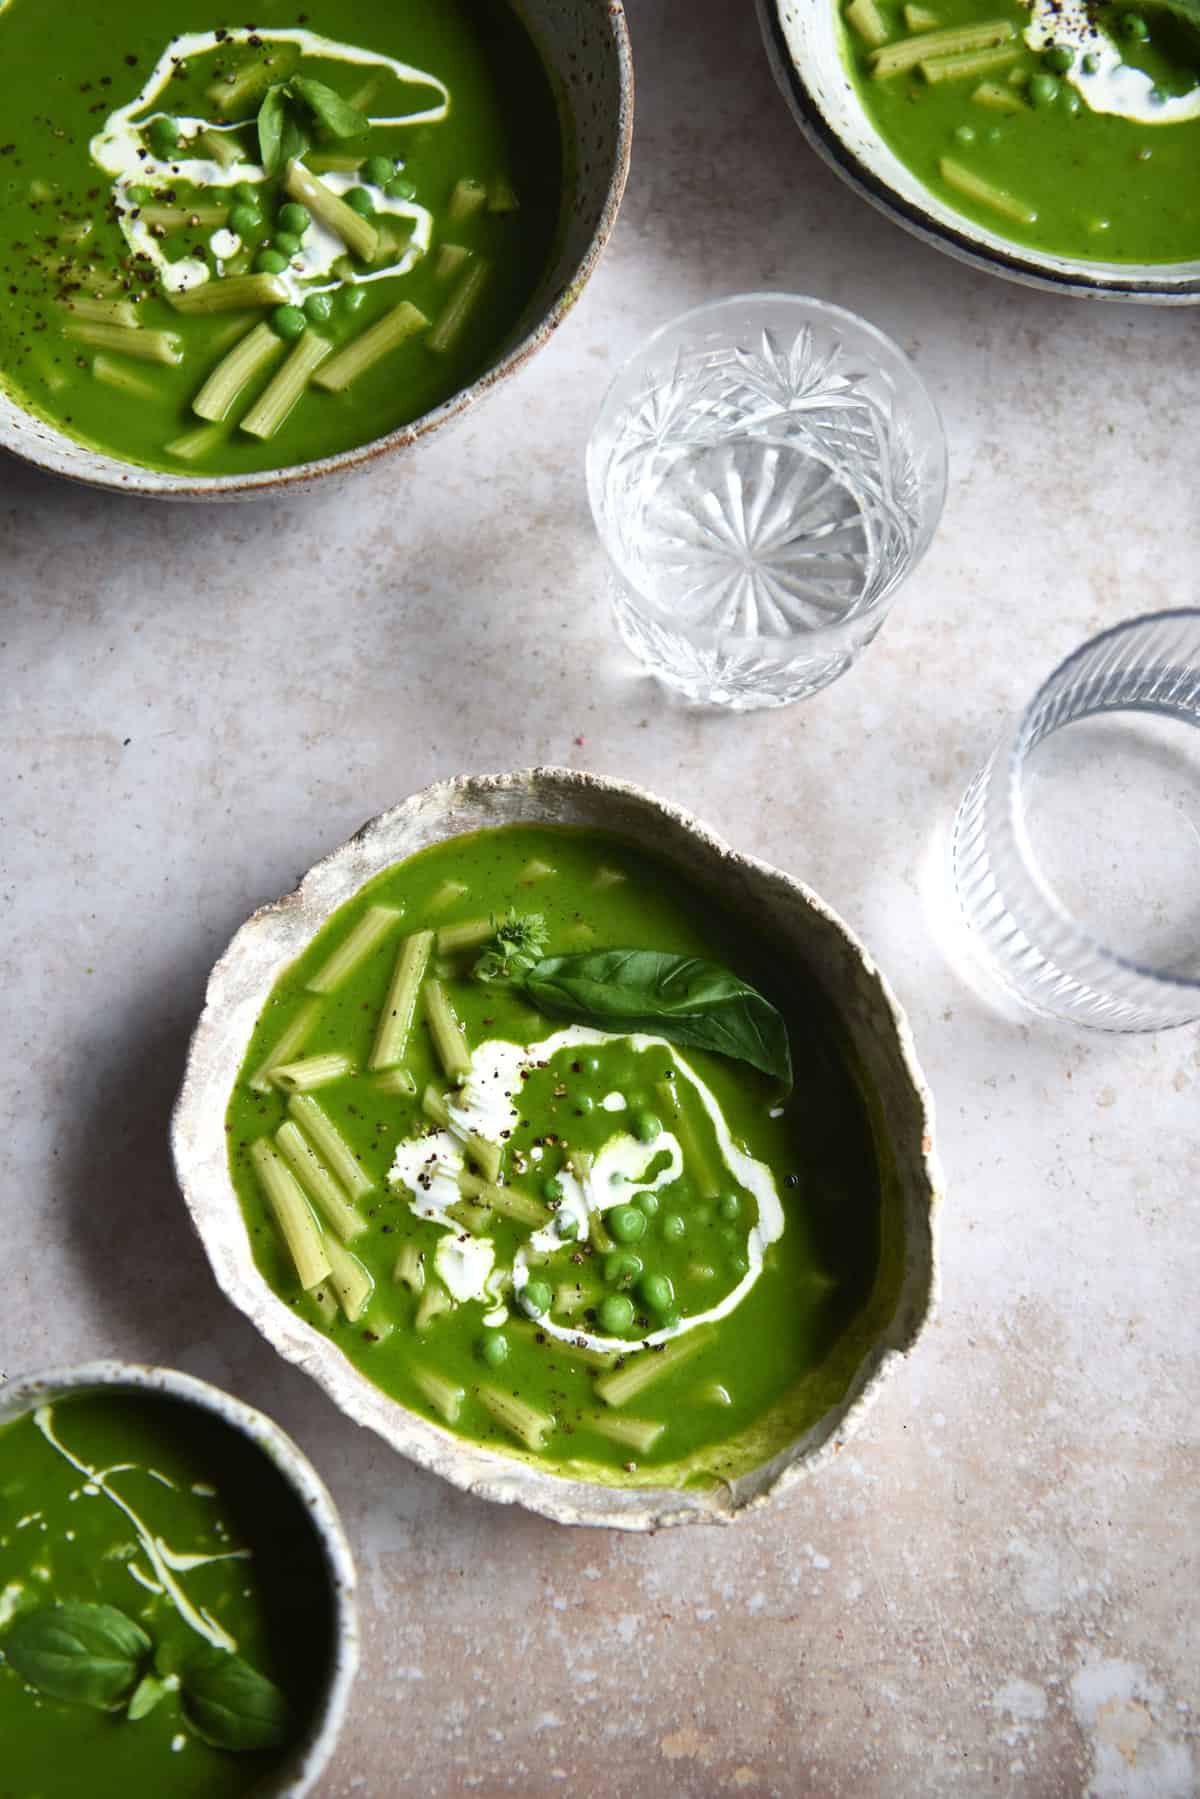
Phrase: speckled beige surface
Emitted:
{"points": [[994, 1591]]}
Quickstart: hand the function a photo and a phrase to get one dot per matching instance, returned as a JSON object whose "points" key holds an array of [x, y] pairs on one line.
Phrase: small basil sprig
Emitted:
{"points": [[230, 1704], [518, 944], [293, 111], [88, 1654], [686, 1000]]}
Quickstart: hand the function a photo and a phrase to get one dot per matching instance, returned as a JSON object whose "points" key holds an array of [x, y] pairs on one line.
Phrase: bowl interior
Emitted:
{"points": [[311, 1754], [804, 44], [805, 930], [584, 46]]}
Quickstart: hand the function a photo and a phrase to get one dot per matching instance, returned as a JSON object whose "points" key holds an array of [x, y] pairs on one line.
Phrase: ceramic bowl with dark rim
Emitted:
{"points": [[775, 906], [304, 1764], [584, 45], [803, 44]]}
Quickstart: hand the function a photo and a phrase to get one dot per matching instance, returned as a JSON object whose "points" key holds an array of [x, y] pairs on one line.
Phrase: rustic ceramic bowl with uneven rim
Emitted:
{"points": [[803, 43], [778, 906], [309, 1759], [584, 44]]}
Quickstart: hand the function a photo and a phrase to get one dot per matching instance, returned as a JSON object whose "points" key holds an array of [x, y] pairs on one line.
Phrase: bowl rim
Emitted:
{"points": [[1015, 262], [471, 1467], [114, 475], [21, 1393]]}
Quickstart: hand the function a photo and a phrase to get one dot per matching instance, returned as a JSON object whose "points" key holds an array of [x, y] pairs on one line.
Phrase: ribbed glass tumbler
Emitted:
{"points": [[764, 473], [1076, 849]]}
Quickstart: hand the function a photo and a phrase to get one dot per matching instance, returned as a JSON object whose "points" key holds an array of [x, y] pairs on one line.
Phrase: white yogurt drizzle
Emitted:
{"points": [[429, 1167], [1112, 85], [119, 149], [162, 1558]]}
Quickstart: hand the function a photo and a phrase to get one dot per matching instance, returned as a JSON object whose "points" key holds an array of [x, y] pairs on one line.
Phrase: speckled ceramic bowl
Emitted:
{"points": [[778, 907], [584, 44], [310, 1757], [802, 38]]}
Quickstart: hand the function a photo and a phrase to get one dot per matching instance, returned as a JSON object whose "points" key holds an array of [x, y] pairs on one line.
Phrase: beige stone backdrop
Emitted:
{"points": [[994, 1590]]}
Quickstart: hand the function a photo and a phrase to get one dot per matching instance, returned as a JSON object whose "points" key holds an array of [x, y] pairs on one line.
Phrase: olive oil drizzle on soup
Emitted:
{"points": [[226, 250], [1069, 125], [597, 1249]]}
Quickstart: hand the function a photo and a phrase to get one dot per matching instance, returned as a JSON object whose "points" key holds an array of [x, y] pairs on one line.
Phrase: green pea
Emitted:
{"points": [[622, 1267], [590, 1064], [246, 221], [319, 308], [1043, 89], [141, 196], [627, 1224], [247, 193], [164, 136], [615, 1313], [352, 300], [493, 1348], [379, 170], [534, 1298], [288, 322], [647, 1203], [270, 262], [729, 1235], [294, 218], [400, 187], [673, 1227], [552, 1187], [1070, 102], [657, 1291], [1058, 58], [567, 1226], [1134, 27], [739, 1264], [964, 134], [585, 1104], [359, 201], [993, 136], [287, 243], [1091, 63], [729, 1207], [672, 1318], [647, 1126]]}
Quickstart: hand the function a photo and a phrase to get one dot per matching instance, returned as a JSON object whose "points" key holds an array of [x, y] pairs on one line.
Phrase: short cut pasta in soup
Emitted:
{"points": [[563, 1159]]}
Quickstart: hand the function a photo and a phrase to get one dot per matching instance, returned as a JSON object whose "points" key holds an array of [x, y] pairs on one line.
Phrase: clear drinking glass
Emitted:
{"points": [[764, 473], [1076, 849]]}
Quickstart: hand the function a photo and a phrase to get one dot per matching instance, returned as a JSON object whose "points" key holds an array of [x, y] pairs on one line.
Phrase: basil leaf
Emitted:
{"points": [[332, 113], [272, 116], [698, 1004], [230, 1704], [88, 1654]]}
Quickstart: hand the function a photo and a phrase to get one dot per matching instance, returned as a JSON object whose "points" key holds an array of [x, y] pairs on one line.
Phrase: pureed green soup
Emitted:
{"points": [[583, 1244], [1069, 125], [225, 249], [165, 1625]]}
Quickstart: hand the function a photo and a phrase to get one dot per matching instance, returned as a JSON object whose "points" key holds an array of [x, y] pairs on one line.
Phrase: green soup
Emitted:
{"points": [[193, 1540], [231, 250], [1069, 126], [596, 1249]]}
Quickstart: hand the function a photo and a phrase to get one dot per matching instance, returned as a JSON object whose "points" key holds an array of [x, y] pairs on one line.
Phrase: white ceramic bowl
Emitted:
{"points": [[308, 1760], [584, 45], [776, 905], [802, 39]]}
